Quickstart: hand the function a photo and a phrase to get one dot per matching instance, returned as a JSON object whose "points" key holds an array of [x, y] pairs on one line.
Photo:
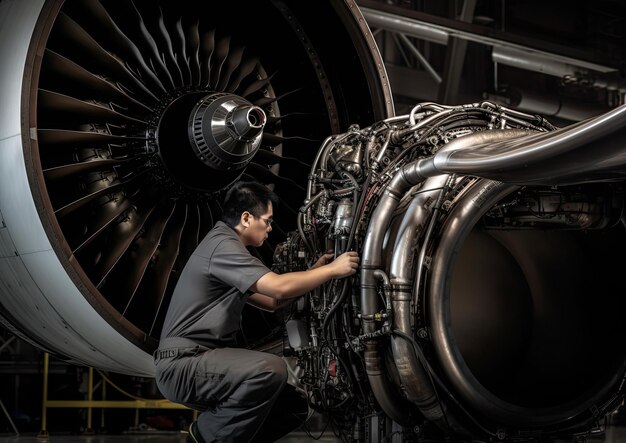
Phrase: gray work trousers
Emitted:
{"points": [[234, 388]]}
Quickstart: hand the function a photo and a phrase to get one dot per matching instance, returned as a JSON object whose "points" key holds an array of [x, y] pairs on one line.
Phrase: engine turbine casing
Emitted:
{"points": [[102, 194]]}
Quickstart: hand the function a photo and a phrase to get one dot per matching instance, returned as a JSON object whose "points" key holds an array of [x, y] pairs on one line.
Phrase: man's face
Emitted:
{"points": [[259, 227]]}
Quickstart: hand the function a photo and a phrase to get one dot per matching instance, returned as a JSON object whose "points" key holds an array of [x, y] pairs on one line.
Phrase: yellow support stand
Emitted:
{"points": [[90, 403]]}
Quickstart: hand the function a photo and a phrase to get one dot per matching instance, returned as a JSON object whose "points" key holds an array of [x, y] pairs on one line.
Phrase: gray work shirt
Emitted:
{"points": [[212, 290]]}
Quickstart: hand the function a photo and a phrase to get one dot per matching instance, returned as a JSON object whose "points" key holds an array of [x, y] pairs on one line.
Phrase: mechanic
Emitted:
{"points": [[242, 394]]}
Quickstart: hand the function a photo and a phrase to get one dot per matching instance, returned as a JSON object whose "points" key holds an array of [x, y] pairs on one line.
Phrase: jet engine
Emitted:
{"points": [[489, 302], [122, 124], [490, 298]]}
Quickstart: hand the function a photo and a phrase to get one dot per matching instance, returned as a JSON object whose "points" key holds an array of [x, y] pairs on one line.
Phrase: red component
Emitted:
{"points": [[332, 368]]}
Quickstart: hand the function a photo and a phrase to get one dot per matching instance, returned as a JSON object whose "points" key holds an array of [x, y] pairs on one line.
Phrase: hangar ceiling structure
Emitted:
{"points": [[564, 60]]}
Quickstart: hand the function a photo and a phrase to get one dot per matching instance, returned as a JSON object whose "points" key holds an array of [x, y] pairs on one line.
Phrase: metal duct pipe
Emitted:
{"points": [[402, 269], [527, 325], [371, 260], [587, 151]]}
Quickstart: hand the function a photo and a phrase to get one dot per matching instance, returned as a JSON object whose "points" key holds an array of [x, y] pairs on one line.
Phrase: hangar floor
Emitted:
{"points": [[612, 434], [295, 437]]}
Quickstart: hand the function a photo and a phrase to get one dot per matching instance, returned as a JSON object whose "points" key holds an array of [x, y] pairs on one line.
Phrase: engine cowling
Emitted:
{"points": [[123, 123]]}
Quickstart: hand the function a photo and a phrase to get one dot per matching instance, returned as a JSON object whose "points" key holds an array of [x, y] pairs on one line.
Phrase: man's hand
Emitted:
{"points": [[344, 265], [324, 259]]}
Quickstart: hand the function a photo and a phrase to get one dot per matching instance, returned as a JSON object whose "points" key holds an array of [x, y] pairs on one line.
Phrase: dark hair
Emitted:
{"points": [[246, 196]]}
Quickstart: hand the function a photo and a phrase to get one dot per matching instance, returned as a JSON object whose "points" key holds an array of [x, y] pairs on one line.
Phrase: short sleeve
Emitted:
{"points": [[235, 266]]}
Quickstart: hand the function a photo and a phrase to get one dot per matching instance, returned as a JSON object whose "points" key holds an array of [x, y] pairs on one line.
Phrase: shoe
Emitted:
{"points": [[194, 434]]}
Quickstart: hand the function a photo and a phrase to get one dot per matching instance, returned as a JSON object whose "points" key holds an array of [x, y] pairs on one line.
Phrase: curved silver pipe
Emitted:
{"points": [[413, 226], [424, 107], [390, 401], [465, 216], [588, 151], [323, 150], [371, 259]]}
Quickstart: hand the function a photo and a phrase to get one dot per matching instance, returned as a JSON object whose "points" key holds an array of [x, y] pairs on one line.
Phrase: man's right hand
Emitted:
{"points": [[344, 265], [294, 284]]}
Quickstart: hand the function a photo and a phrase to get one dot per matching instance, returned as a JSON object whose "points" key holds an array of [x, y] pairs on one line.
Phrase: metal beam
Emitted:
{"points": [[455, 57], [441, 34]]}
